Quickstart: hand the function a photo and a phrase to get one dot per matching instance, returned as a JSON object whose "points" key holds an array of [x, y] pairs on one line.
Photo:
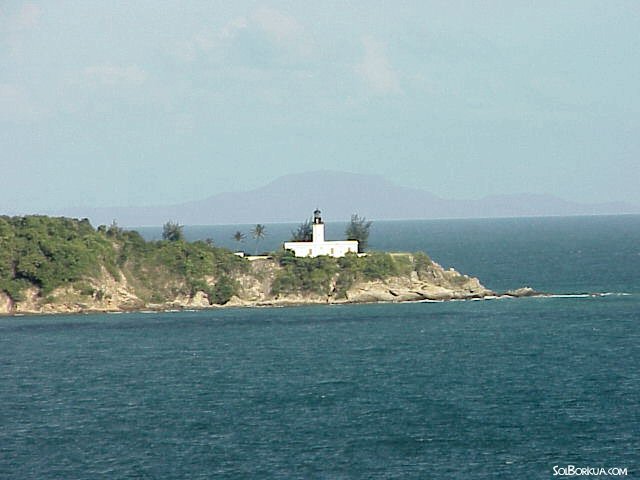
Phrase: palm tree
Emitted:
{"points": [[239, 236], [258, 233]]}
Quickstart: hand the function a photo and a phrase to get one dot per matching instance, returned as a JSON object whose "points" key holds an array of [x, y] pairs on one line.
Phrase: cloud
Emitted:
{"points": [[231, 29], [282, 29], [111, 75], [207, 41], [264, 25], [376, 70]]}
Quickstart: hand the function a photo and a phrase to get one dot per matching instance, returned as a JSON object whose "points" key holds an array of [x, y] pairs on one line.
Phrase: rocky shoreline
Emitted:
{"points": [[120, 295]]}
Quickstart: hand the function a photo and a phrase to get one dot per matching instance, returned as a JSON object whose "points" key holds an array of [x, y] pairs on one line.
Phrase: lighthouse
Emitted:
{"points": [[318, 245], [318, 227]]}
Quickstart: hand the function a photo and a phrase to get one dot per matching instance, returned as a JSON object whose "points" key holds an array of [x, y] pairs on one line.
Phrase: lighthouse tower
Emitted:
{"points": [[318, 245], [318, 227]]}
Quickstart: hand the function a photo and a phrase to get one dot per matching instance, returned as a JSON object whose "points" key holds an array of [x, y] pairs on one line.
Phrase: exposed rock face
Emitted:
{"points": [[6, 305], [434, 284], [523, 292], [110, 294], [398, 289]]}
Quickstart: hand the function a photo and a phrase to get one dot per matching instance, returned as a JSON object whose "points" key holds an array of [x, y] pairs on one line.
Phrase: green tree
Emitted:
{"points": [[239, 237], [258, 233], [304, 232], [172, 231], [358, 229], [225, 288]]}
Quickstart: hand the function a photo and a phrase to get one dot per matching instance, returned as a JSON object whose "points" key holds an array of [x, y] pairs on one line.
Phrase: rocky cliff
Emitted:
{"points": [[106, 293], [433, 283]]}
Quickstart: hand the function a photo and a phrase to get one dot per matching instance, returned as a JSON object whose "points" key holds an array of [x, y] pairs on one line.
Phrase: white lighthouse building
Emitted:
{"points": [[318, 245]]}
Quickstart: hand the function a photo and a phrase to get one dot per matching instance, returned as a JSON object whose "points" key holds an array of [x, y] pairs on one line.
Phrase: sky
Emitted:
{"points": [[160, 102]]}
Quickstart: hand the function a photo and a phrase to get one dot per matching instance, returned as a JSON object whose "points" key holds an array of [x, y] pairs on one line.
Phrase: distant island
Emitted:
{"points": [[65, 265], [349, 192]]}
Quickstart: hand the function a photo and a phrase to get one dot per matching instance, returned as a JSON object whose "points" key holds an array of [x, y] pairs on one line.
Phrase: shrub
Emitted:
{"points": [[15, 288], [309, 275], [225, 288], [378, 266], [421, 261]]}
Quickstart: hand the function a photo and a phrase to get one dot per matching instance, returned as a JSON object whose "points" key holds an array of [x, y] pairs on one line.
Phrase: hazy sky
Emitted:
{"points": [[135, 102]]}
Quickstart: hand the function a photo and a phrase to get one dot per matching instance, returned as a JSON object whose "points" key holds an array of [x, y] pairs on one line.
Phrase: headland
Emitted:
{"points": [[63, 265]]}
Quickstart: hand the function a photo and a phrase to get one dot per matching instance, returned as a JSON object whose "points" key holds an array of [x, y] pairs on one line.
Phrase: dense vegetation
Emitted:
{"points": [[50, 252], [323, 275], [46, 253]]}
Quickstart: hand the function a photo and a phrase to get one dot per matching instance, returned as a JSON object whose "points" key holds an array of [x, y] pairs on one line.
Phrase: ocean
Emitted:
{"points": [[511, 388]]}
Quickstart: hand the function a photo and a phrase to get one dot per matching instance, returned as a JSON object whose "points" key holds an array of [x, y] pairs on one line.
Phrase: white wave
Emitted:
{"points": [[588, 295], [572, 295]]}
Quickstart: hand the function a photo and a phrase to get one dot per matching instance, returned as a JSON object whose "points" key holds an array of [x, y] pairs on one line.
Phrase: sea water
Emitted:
{"points": [[476, 389]]}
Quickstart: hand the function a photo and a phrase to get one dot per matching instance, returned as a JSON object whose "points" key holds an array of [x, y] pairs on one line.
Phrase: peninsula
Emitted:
{"points": [[64, 265]]}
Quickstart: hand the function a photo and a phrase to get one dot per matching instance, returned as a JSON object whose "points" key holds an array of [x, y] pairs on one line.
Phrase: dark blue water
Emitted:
{"points": [[482, 389]]}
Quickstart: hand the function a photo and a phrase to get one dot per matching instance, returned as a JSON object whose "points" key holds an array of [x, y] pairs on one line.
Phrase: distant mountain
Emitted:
{"points": [[292, 198]]}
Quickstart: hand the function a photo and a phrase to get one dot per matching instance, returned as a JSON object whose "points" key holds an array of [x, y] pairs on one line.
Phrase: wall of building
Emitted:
{"points": [[318, 232], [314, 249]]}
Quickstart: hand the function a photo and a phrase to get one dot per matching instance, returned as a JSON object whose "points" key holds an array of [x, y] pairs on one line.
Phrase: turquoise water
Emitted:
{"points": [[480, 389]]}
